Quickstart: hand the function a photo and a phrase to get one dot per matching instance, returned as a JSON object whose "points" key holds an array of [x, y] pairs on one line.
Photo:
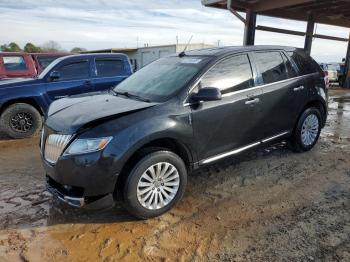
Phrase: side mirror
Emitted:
{"points": [[55, 75], [206, 94]]}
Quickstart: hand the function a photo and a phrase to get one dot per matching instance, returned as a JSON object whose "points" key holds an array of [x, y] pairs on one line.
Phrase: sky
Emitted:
{"points": [[99, 24]]}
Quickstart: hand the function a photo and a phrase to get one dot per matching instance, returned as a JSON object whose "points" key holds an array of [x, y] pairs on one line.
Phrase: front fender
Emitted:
{"points": [[23, 95], [129, 138]]}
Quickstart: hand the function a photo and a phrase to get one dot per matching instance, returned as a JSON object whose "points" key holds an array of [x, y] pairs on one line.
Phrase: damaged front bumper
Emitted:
{"points": [[73, 196], [72, 201]]}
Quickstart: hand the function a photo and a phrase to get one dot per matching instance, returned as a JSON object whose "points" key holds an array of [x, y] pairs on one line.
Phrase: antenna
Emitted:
{"points": [[182, 54]]}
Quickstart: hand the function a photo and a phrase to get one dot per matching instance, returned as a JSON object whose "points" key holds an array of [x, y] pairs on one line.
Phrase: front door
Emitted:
{"points": [[233, 122], [74, 79]]}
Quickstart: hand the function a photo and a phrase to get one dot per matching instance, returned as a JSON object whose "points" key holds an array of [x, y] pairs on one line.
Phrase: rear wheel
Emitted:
{"points": [[307, 131], [155, 184], [20, 121]]}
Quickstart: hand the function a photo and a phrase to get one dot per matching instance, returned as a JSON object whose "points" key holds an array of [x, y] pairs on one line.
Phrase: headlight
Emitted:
{"points": [[81, 146]]}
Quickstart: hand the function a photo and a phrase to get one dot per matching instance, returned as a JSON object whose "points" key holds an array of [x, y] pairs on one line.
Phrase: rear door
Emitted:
{"points": [[233, 122], [282, 92], [74, 79], [109, 72]]}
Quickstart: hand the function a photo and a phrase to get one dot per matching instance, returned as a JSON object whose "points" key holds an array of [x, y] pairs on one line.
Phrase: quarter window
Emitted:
{"points": [[231, 74], [305, 65], [76, 70], [271, 66], [14, 63], [109, 67]]}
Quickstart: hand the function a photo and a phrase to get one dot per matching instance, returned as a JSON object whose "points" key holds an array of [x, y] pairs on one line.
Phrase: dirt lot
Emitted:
{"points": [[271, 205]]}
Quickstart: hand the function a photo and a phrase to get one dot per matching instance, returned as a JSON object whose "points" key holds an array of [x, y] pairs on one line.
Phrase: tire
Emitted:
{"points": [[136, 183], [20, 121], [307, 130]]}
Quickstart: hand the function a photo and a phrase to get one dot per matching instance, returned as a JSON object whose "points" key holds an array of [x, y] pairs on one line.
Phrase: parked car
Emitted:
{"points": [[23, 102], [139, 141], [332, 72], [325, 73], [19, 65], [14, 65], [43, 60]]}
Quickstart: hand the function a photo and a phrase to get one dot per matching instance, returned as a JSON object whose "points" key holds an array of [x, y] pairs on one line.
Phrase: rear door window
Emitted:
{"points": [[14, 63], [271, 66], [229, 75], [109, 67], [75, 70]]}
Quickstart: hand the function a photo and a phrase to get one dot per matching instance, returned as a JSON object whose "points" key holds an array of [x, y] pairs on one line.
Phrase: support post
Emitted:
{"points": [[346, 78], [309, 34], [249, 28]]}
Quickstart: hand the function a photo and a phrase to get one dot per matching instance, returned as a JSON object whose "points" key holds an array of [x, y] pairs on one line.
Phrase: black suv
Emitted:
{"points": [[139, 141]]}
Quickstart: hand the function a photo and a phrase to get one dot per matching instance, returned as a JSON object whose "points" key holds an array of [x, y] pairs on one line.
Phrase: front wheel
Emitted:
{"points": [[307, 131], [155, 184], [20, 120]]}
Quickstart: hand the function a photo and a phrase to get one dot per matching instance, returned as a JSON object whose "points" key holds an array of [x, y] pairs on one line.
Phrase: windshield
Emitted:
{"points": [[163, 78]]}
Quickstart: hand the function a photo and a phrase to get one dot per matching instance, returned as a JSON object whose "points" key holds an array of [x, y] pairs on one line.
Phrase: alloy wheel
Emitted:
{"points": [[158, 185], [309, 130], [21, 122]]}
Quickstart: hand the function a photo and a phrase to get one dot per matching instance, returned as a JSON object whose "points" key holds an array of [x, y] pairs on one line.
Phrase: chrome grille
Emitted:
{"points": [[54, 146]]}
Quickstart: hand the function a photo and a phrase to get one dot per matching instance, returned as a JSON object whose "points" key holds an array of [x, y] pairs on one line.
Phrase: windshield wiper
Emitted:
{"points": [[129, 95]]}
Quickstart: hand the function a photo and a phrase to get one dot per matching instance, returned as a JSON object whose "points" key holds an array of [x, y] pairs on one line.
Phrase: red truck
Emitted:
{"points": [[15, 65]]}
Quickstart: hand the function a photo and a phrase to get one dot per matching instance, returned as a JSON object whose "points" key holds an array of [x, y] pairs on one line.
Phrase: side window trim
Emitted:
{"points": [[291, 60], [286, 60]]}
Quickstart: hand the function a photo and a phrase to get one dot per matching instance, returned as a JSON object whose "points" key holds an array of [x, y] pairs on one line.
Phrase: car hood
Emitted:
{"points": [[17, 82], [67, 115]]}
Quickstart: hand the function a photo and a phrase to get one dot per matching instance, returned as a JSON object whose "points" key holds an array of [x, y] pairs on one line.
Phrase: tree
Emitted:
{"points": [[51, 46], [4, 48], [77, 50], [11, 47], [31, 48]]}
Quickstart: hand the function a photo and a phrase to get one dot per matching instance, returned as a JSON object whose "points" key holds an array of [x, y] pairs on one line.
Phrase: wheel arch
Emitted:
{"points": [[29, 101], [320, 106], [166, 143]]}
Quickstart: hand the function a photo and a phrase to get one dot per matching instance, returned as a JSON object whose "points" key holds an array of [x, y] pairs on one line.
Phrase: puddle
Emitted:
{"points": [[271, 205]]}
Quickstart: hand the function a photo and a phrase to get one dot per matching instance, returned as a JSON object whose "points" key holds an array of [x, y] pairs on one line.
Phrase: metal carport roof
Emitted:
{"points": [[330, 12]]}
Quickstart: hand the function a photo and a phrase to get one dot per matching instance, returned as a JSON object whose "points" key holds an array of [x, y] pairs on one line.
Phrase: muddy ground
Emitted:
{"points": [[270, 205]]}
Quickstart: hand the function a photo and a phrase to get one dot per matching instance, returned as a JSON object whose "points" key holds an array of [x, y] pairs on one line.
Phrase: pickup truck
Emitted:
{"points": [[24, 102], [15, 65]]}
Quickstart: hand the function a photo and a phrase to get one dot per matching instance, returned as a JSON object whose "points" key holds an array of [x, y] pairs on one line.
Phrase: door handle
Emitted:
{"points": [[252, 101], [298, 88]]}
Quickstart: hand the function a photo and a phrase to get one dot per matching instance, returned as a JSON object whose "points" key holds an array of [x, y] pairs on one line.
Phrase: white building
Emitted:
{"points": [[139, 57]]}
